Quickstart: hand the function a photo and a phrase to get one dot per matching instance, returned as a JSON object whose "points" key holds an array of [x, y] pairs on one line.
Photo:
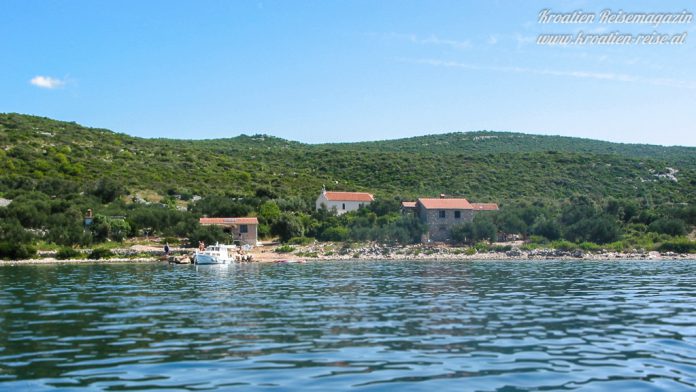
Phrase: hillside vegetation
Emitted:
{"points": [[547, 185], [479, 165]]}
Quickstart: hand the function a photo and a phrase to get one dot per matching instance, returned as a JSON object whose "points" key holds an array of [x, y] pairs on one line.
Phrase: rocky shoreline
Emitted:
{"points": [[329, 251], [418, 252]]}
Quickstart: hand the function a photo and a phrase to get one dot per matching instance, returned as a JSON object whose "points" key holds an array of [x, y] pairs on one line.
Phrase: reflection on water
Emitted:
{"points": [[350, 325]]}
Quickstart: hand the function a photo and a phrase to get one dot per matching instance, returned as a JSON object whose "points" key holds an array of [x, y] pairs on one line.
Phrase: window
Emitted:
{"points": [[457, 215], [243, 229], [344, 206], [442, 214]]}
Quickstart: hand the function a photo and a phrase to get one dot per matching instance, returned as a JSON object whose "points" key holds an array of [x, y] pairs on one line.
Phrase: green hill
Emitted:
{"points": [[487, 142], [550, 188], [496, 166]]}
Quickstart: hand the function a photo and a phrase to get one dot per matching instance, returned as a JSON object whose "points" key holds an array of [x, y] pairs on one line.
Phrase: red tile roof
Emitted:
{"points": [[445, 204], [485, 206], [408, 204], [229, 221], [349, 196]]}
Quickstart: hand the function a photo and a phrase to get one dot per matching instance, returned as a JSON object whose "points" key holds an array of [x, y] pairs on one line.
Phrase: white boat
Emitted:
{"points": [[216, 254]]}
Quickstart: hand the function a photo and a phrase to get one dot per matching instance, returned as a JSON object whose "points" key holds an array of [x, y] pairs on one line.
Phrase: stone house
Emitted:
{"points": [[441, 214], [244, 230], [343, 202]]}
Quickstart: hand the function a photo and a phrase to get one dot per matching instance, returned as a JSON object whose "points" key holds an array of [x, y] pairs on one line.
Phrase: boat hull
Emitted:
{"points": [[203, 259]]}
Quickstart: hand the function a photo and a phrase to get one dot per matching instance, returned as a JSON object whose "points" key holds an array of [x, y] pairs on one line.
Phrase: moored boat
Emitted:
{"points": [[216, 254]]}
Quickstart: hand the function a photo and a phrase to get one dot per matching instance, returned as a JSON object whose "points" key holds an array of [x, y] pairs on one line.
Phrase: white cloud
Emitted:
{"points": [[434, 40], [524, 39], [610, 76], [47, 82]]}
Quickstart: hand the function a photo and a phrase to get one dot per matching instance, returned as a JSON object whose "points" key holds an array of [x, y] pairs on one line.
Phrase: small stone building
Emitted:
{"points": [[408, 206], [441, 214], [343, 202], [244, 230]]}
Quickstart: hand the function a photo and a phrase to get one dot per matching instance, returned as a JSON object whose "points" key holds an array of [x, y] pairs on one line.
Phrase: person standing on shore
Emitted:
{"points": [[166, 249]]}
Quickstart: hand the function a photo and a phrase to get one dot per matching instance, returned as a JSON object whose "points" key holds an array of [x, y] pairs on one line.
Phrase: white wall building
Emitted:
{"points": [[343, 201]]}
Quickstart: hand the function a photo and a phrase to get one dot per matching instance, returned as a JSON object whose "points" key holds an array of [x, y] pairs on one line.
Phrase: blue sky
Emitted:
{"points": [[327, 71]]}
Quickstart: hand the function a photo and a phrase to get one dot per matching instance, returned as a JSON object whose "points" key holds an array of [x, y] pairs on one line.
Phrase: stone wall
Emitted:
{"points": [[439, 228]]}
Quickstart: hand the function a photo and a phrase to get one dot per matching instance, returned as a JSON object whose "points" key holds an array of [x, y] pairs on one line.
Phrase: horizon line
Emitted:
{"points": [[426, 134]]}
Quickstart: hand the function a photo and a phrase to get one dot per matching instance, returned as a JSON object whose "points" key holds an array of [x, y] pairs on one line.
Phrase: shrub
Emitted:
{"points": [[538, 239], [673, 227], [590, 247], [100, 253], [300, 240], [530, 246], [678, 245], [601, 229], [336, 233], [66, 252], [564, 245], [285, 249], [617, 246], [482, 247], [16, 251]]}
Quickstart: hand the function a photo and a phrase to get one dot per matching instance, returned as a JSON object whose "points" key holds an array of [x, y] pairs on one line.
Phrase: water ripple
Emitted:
{"points": [[338, 325]]}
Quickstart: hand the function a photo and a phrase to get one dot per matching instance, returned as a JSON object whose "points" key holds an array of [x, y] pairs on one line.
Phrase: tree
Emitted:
{"points": [[600, 229], [222, 206], [577, 209], [15, 242], [670, 226], [623, 210], [67, 229], [510, 222], [104, 227], [207, 234], [463, 233], [269, 211], [484, 228], [384, 206], [108, 189], [547, 228], [288, 226]]}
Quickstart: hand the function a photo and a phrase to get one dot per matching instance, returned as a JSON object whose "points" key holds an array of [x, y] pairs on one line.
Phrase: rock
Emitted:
{"points": [[513, 253]]}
